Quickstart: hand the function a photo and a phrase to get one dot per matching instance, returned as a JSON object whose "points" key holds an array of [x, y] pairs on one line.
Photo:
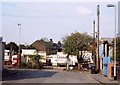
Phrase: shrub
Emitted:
{"points": [[23, 65]]}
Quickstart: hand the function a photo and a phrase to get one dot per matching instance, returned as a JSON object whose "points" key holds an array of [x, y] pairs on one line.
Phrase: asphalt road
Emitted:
{"points": [[49, 76]]}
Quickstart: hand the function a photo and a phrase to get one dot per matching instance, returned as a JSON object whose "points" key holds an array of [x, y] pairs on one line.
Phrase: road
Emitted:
{"points": [[50, 76]]}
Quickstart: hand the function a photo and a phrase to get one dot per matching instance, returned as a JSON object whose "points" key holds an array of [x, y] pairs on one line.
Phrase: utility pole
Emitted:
{"points": [[98, 58], [94, 44], [94, 30]]}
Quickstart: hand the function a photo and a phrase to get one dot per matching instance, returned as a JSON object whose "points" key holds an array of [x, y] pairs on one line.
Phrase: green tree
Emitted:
{"points": [[50, 47], [76, 42], [12, 46], [22, 46]]}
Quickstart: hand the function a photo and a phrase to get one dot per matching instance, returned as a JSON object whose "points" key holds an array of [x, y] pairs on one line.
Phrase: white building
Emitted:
{"points": [[27, 52]]}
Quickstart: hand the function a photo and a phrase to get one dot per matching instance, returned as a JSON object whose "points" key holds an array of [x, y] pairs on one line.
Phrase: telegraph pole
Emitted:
{"points": [[98, 58], [94, 30], [94, 44]]}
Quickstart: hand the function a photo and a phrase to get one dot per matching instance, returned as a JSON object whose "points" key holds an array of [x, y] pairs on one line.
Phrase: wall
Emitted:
{"points": [[118, 72], [119, 18], [110, 70]]}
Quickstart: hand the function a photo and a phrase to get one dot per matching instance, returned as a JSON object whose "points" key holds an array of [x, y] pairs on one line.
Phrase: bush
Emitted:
{"points": [[23, 65], [34, 66], [29, 65]]}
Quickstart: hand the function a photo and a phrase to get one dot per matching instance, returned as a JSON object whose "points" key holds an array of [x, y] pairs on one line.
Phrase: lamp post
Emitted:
{"points": [[19, 44], [111, 5]]}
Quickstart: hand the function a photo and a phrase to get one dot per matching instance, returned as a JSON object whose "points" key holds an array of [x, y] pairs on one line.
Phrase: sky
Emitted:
{"points": [[53, 20]]}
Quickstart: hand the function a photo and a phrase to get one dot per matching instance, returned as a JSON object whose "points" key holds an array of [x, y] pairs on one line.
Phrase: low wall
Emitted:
{"points": [[110, 70], [118, 71]]}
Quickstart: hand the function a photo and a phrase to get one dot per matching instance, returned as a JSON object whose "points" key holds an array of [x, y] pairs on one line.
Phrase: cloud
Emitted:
{"points": [[82, 11]]}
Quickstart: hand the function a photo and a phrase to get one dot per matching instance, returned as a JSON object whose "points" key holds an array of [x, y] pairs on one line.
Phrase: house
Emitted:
{"points": [[118, 19], [40, 45], [106, 55], [47, 48], [27, 53]]}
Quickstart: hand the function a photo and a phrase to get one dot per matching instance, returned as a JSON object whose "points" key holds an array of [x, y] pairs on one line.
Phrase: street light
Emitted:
{"points": [[19, 43], [111, 5]]}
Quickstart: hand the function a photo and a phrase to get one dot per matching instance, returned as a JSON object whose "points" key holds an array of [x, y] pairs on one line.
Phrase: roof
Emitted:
{"points": [[56, 46], [42, 45], [110, 40], [39, 45]]}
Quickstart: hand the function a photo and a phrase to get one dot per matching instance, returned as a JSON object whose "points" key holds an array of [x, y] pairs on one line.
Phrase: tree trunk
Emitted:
{"points": [[67, 61], [67, 66], [78, 65]]}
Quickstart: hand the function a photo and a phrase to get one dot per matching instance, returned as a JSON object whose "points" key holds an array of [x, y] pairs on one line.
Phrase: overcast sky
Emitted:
{"points": [[53, 20]]}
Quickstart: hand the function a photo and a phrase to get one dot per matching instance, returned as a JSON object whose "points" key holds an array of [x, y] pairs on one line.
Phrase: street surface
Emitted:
{"points": [[54, 76]]}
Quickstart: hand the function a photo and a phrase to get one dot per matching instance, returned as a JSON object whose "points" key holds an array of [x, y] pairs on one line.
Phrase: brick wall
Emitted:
{"points": [[110, 70], [118, 71]]}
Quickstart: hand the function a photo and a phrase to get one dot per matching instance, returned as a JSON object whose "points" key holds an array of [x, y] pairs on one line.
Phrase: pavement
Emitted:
{"points": [[102, 79]]}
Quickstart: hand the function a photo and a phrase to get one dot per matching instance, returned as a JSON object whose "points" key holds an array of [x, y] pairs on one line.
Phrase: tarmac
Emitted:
{"points": [[7, 72], [98, 77]]}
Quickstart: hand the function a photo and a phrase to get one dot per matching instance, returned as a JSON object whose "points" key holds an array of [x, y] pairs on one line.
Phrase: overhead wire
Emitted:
{"points": [[39, 11]]}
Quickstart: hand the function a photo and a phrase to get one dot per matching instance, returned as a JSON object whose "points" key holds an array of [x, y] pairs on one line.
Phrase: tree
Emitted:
{"points": [[76, 42], [51, 47], [22, 46], [12, 46]]}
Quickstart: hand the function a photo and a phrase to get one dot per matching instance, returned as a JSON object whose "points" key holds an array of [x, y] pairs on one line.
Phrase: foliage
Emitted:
{"points": [[26, 46], [33, 63], [51, 48], [23, 65], [35, 58], [76, 42], [12, 46]]}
